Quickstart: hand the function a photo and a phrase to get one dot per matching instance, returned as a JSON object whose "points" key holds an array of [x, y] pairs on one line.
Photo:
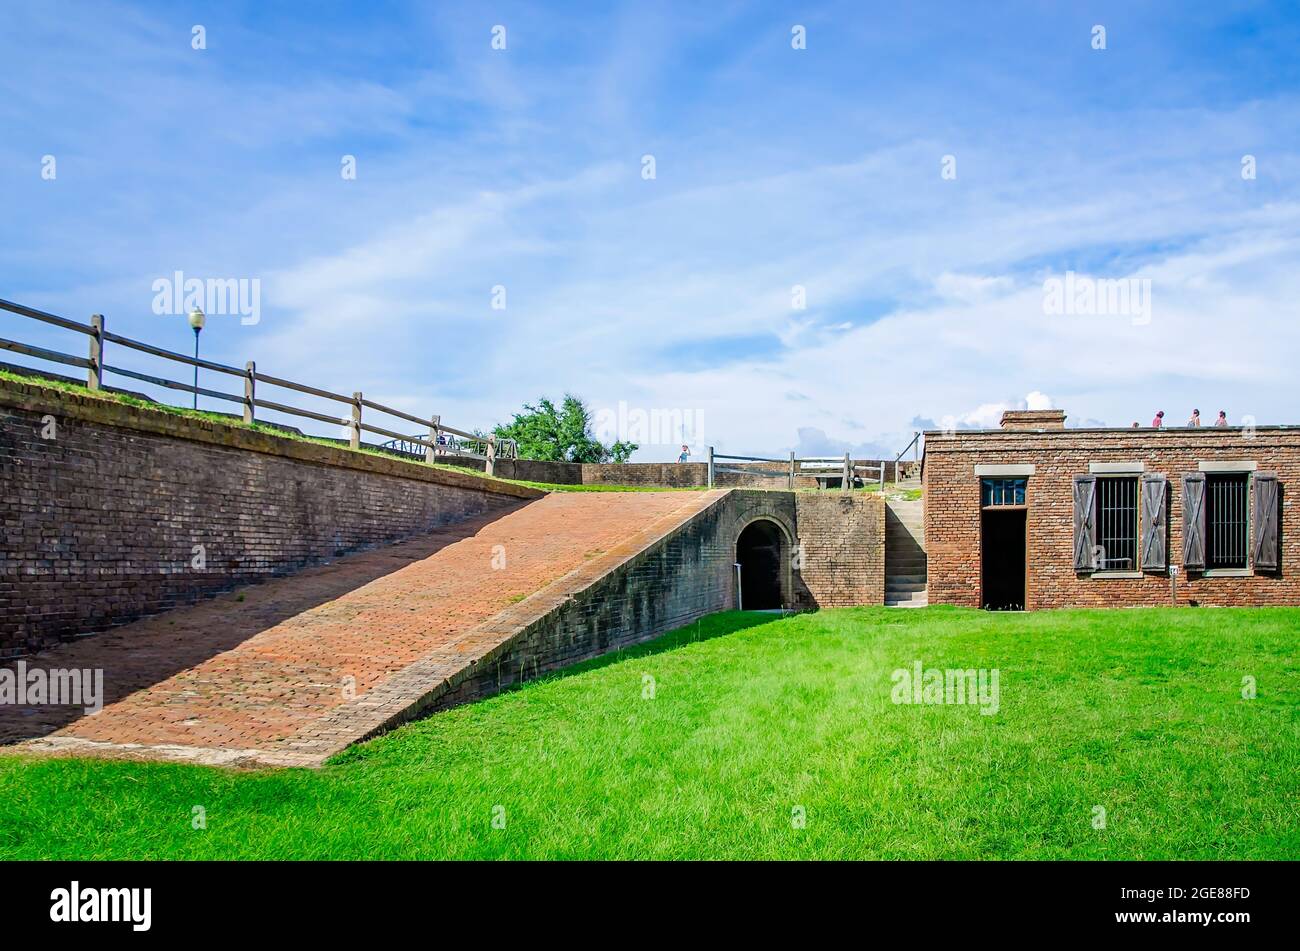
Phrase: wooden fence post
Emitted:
{"points": [[431, 450], [847, 482], [491, 455], [250, 391], [710, 458], [354, 437], [95, 373], [791, 470]]}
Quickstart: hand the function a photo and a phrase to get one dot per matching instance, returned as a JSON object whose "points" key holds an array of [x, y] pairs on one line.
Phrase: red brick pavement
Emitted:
{"points": [[267, 673]]}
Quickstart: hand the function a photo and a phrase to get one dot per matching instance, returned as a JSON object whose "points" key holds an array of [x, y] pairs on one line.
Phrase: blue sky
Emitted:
{"points": [[774, 167]]}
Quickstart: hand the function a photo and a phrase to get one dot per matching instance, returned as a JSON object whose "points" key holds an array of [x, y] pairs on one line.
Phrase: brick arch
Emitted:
{"points": [[776, 507], [754, 574], [787, 530]]}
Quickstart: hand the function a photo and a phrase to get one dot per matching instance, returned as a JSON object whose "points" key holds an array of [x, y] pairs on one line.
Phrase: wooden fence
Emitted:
{"points": [[820, 467], [438, 439]]}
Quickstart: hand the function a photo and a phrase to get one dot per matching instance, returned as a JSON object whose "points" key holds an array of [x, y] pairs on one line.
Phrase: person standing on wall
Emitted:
{"points": [[685, 454], [1159, 420], [1196, 418], [1222, 420]]}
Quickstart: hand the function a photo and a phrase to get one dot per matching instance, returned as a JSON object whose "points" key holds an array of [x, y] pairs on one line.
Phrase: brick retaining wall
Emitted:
{"points": [[842, 545], [102, 520], [675, 579], [667, 475]]}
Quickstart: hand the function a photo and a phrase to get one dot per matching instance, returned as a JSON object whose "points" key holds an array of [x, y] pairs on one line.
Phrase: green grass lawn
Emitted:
{"points": [[1139, 712]]}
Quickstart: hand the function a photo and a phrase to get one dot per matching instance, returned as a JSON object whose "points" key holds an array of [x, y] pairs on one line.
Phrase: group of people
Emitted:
{"points": [[1194, 421]]}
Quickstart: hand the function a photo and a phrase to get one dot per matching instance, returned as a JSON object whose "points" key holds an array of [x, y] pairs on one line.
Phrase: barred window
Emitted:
{"points": [[1226, 520], [1117, 523], [1002, 492]]}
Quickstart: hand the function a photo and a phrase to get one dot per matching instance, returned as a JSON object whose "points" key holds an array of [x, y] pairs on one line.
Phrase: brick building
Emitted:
{"points": [[1035, 515]]}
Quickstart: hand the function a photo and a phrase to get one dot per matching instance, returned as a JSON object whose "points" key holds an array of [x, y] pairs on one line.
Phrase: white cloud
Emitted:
{"points": [[970, 287], [924, 296]]}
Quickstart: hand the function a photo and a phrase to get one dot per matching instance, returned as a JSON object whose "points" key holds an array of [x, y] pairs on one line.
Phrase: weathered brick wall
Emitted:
{"points": [[685, 475], [802, 481], [679, 578], [667, 475], [952, 511], [842, 541], [101, 521], [525, 470], [696, 474]]}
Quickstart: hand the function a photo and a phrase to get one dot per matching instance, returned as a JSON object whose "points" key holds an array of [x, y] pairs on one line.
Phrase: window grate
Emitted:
{"points": [[1226, 518], [1117, 524], [1002, 492]]}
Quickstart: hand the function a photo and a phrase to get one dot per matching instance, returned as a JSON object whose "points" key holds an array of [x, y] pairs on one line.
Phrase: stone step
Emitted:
{"points": [[892, 580], [916, 601], [901, 588]]}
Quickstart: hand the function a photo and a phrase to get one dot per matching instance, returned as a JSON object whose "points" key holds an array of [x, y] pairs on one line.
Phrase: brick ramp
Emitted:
{"points": [[291, 671]]}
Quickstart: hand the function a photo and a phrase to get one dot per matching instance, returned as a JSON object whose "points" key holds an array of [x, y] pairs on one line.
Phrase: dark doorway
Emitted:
{"points": [[758, 552], [1002, 546]]}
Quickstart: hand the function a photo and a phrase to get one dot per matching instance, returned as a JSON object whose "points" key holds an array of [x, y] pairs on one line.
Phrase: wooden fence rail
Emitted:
{"points": [[95, 368], [795, 466]]}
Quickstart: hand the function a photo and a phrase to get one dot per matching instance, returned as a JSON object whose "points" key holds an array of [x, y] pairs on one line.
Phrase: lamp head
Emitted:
{"points": [[197, 319]]}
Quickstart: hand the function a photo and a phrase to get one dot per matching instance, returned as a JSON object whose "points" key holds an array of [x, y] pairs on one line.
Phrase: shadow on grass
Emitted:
{"points": [[705, 629]]}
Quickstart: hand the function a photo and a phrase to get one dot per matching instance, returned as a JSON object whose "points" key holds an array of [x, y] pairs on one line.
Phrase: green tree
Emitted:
{"points": [[560, 435]]}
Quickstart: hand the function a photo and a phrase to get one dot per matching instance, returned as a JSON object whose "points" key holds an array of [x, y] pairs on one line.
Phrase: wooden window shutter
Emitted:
{"points": [[1266, 521], [1155, 556], [1085, 523], [1194, 520]]}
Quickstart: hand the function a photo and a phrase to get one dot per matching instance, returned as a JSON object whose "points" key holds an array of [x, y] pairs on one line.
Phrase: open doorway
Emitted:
{"points": [[758, 552], [1002, 555]]}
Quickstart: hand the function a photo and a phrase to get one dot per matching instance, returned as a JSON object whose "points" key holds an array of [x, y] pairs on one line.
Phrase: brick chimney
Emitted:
{"points": [[1033, 419]]}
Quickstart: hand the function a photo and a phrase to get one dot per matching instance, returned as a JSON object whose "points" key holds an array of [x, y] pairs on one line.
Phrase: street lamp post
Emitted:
{"points": [[196, 322]]}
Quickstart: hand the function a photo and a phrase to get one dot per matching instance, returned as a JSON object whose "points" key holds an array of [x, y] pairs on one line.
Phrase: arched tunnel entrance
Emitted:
{"points": [[759, 551]]}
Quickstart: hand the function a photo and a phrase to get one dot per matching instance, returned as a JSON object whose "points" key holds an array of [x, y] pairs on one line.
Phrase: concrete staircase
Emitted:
{"points": [[905, 562]]}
